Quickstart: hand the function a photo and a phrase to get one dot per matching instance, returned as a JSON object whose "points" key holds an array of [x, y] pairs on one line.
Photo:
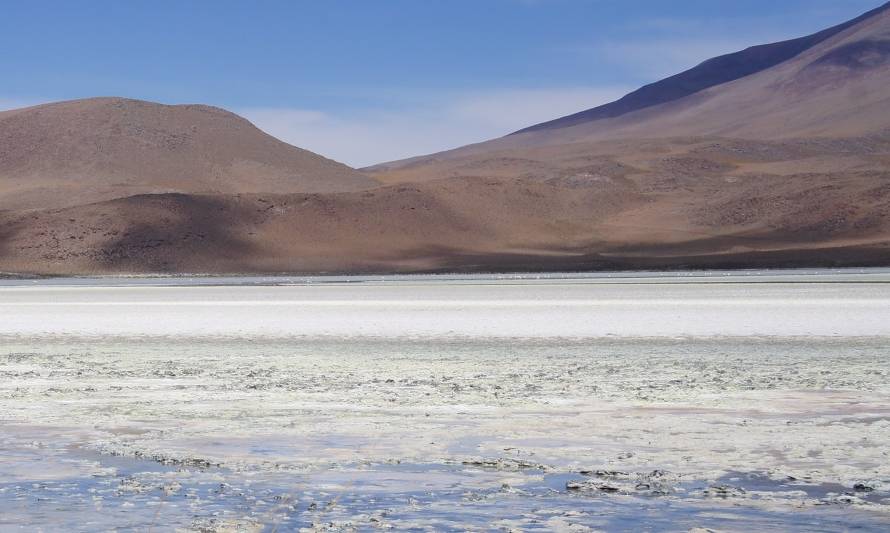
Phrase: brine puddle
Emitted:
{"points": [[507, 406], [64, 485]]}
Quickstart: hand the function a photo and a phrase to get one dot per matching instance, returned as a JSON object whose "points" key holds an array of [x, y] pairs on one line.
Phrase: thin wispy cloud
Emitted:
{"points": [[16, 103], [368, 136], [651, 48], [659, 58]]}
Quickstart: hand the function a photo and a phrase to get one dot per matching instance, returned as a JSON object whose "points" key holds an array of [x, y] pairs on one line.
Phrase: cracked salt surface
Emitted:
{"points": [[459, 412]]}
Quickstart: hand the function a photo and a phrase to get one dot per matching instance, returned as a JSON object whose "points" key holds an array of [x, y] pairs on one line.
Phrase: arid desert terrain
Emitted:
{"points": [[670, 312], [774, 156]]}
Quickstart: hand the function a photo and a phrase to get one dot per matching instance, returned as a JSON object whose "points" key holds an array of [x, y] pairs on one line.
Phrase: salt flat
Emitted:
{"points": [[736, 402], [432, 307]]}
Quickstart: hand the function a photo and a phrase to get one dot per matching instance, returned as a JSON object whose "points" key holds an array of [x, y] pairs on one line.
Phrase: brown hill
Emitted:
{"points": [[788, 165], [467, 224], [82, 151]]}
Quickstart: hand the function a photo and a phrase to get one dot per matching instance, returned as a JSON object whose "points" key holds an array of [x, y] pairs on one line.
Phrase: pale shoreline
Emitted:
{"points": [[459, 308], [839, 275]]}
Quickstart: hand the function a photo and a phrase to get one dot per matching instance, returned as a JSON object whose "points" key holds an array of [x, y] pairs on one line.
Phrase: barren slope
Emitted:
{"points": [[469, 224], [787, 166], [82, 151], [837, 87], [710, 73]]}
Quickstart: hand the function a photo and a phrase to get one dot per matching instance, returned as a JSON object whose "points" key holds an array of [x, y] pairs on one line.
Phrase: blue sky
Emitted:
{"points": [[367, 81]]}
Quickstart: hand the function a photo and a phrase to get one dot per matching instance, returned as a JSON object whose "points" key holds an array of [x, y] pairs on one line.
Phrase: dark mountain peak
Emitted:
{"points": [[710, 73]]}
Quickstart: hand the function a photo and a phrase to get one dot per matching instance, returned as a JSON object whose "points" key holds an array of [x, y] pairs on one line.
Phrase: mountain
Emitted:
{"points": [[830, 84], [83, 151], [715, 71], [777, 156]]}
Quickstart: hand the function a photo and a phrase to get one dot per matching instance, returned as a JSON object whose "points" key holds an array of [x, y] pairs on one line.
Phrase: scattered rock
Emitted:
{"points": [[506, 464], [655, 483], [862, 487], [724, 491]]}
